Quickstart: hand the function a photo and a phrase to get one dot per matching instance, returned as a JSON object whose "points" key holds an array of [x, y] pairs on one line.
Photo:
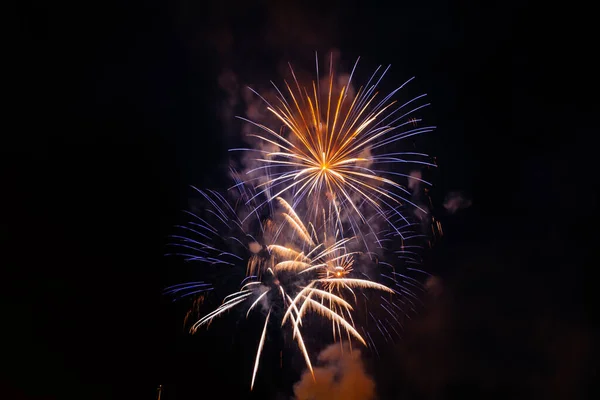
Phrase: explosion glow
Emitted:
{"points": [[319, 261]]}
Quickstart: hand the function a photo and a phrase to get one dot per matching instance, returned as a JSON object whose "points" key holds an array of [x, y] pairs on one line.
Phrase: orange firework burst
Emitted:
{"points": [[331, 146]]}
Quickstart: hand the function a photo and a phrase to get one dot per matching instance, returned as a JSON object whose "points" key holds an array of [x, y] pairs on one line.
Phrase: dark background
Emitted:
{"points": [[117, 109]]}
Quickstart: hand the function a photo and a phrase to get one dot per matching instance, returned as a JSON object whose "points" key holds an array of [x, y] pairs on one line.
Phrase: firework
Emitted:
{"points": [[287, 264], [332, 145], [300, 237]]}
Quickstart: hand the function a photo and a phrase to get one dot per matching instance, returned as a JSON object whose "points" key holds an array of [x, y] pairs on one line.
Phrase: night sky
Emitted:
{"points": [[119, 108]]}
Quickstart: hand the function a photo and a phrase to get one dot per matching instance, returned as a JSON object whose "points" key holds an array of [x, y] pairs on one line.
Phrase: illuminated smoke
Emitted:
{"points": [[254, 247], [414, 184], [341, 377], [456, 201]]}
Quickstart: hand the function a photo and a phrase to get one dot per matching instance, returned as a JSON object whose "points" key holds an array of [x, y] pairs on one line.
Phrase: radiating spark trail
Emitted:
{"points": [[260, 346]]}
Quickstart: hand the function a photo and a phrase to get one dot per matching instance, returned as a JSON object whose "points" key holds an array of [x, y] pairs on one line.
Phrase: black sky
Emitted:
{"points": [[118, 111]]}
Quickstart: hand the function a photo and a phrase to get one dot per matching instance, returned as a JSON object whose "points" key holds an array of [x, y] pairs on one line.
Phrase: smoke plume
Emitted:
{"points": [[456, 201], [341, 376]]}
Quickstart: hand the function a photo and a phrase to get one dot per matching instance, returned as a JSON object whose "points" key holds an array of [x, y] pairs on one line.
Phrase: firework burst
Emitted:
{"points": [[336, 146], [288, 267]]}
